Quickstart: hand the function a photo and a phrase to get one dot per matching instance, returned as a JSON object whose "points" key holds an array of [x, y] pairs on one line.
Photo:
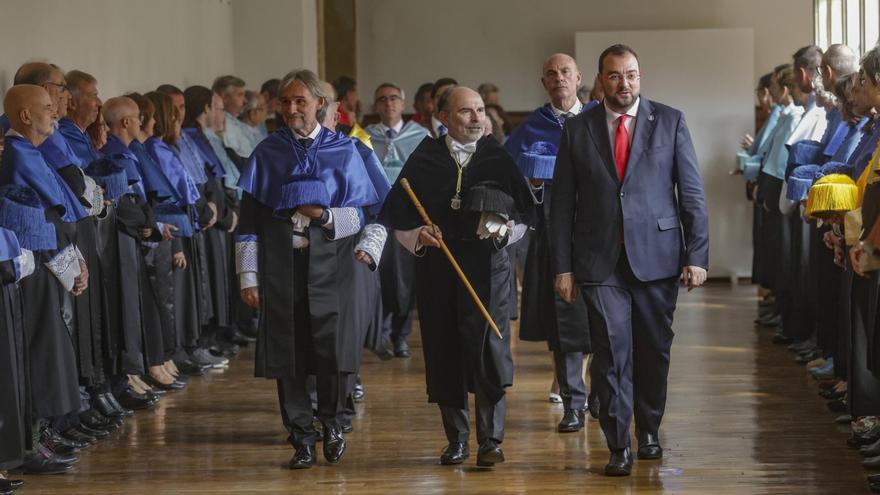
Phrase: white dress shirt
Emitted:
{"points": [[397, 128], [574, 110]]}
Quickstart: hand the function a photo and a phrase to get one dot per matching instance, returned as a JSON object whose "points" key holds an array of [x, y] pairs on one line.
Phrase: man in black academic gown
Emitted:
{"points": [[476, 197], [305, 192]]}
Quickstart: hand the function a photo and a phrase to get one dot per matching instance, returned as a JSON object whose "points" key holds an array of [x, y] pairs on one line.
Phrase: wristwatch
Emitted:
{"points": [[325, 217]]}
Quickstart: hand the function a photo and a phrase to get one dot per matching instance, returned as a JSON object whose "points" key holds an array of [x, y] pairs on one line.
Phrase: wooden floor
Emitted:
{"points": [[741, 418]]}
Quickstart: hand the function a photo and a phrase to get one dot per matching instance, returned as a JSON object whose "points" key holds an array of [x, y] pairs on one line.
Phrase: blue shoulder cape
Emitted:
{"points": [[332, 160], [9, 247], [212, 161], [173, 170], [79, 142], [191, 158], [55, 149], [154, 181], [376, 173], [541, 125], [24, 165]]}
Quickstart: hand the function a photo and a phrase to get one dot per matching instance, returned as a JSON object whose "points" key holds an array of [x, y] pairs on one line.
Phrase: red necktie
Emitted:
{"points": [[621, 147]]}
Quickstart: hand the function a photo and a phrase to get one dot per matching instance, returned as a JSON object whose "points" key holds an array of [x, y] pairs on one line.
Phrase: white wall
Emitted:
{"points": [[506, 41], [132, 45]]}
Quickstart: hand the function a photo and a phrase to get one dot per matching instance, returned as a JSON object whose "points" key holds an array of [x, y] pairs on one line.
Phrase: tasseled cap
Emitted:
{"points": [[831, 194], [22, 212], [539, 161], [300, 192], [800, 181], [835, 168], [172, 215], [805, 153]]}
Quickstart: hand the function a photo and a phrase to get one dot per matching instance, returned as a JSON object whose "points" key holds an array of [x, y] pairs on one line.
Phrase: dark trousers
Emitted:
{"points": [[569, 367], [396, 326], [490, 420], [296, 405], [631, 331]]}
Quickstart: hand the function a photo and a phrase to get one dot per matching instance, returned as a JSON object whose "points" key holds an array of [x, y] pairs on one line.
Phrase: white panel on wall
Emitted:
{"points": [[708, 74]]}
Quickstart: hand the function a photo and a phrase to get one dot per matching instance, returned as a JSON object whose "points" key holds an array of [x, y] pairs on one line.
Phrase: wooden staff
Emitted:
{"points": [[461, 275]]}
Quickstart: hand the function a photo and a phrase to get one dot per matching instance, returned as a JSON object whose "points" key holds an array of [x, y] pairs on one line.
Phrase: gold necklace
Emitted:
{"points": [[455, 203]]}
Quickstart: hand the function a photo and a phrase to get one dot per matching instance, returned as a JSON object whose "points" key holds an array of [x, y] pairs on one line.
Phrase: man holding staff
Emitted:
{"points": [[476, 197]]}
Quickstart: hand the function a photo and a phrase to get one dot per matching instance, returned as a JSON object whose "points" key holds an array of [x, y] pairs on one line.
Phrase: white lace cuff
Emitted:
{"points": [[246, 280], [373, 242], [65, 266], [94, 196], [24, 264], [345, 222], [246, 256]]}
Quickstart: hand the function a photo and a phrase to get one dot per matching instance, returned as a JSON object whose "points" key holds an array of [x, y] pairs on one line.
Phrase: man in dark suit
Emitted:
{"points": [[628, 219]]}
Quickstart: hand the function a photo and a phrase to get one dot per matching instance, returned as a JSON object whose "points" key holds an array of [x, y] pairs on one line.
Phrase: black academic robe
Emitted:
{"points": [[217, 247], [545, 316], [310, 307], [459, 347], [15, 427], [54, 388]]}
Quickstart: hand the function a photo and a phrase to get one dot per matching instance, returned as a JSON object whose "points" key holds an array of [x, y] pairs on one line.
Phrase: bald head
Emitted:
{"points": [[561, 78], [31, 112], [122, 116], [463, 113], [36, 73]]}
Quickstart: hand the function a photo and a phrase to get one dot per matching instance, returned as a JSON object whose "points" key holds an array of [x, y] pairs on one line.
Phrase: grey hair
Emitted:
{"points": [[224, 84], [75, 78], [871, 64], [251, 100], [391, 85], [311, 81], [841, 58]]}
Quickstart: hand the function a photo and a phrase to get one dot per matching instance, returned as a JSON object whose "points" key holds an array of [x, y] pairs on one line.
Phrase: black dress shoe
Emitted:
{"points": [[175, 385], [593, 405], [782, 339], [303, 457], [7, 484], [91, 432], [191, 368], [55, 440], [455, 453], [334, 444], [401, 348], [47, 453], [241, 339], [359, 393], [649, 446], [572, 421], [489, 454], [38, 464], [346, 426], [96, 421], [78, 436], [620, 463], [385, 352], [831, 394], [135, 401]]}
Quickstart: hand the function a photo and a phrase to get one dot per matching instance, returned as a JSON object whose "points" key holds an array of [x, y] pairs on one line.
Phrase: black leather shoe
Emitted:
{"points": [[593, 405], [346, 426], [7, 484], [96, 421], [7, 491], [401, 349], [572, 421], [871, 463], [191, 368], [455, 453], [359, 393], [386, 352], [38, 464], [241, 339], [175, 385], [78, 436], [620, 463], [135, 401], [54, 440], [489, 454], [782, 339], [649, 446], [334, 444], [47, 453], [91, 432], [303, 458], [117, 407]]}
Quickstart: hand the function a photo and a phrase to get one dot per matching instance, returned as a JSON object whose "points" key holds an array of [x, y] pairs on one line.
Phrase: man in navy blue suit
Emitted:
{"points": [[627, 221]]}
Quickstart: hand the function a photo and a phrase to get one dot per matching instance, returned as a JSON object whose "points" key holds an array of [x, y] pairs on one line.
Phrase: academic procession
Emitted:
{"points": [[288, 246]]}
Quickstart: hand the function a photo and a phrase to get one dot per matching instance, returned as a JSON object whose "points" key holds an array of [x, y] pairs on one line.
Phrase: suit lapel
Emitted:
{"points": [[598, 128], [645, 121]]}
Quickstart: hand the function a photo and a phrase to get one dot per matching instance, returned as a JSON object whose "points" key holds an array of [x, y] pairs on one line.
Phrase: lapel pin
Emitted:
{"points": [[651, 117]]}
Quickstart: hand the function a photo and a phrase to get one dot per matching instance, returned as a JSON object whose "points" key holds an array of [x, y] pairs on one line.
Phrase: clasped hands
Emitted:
{"points": [[691, 276]]}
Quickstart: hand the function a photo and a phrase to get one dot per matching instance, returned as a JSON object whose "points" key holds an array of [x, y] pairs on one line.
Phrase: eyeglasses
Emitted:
{"points": [[388, 99], [62, 87], [630, 77]]}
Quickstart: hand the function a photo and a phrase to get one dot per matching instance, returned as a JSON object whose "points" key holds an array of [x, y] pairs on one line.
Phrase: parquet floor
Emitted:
{"points": [[742, 418]]}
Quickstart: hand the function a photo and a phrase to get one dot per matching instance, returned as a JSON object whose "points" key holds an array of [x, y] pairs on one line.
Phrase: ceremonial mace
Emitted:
{"points": [[461, 275]]}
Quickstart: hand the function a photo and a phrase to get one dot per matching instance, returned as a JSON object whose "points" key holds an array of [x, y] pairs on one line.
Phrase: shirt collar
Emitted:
{"points": [[14, 133], [457, 147], [575, 109], [312, 135], [632, 112], [435, 123], [397, 128]]}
